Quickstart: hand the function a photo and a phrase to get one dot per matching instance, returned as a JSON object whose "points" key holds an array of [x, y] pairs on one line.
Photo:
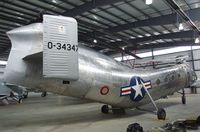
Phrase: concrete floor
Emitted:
{"points": [[58, 114]]}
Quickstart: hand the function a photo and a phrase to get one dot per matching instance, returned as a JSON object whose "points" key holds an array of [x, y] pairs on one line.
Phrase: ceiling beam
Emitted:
{"points": [[6, 27], [114, 47], [3, 34], [32, 3], [4, 41], [4, 38], [183, 34], [10, 24], [160, 20], [15, 14], [89, 6], [161, 45], [13, 19], [11, 8], [182, 14]]}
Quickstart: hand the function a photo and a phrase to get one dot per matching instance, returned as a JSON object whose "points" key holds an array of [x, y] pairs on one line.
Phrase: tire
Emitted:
{"points": [[161, 114], [44, 94], [183, 100], [20, 101], [135, 127], [105, 109], [25, 95]]}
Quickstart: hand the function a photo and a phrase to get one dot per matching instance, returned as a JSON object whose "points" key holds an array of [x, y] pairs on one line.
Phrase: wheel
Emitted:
{"points": [[44, 94], [25, 95], [20, 101], [135, 127], [161, 114], [183, 100], [104, 109]]}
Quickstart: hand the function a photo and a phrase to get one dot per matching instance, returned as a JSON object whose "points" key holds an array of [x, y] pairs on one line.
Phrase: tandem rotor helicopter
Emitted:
{"points": [[47, 56]]}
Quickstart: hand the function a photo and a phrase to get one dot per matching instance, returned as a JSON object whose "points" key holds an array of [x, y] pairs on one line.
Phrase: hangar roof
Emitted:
{"points": [[117, 25]]}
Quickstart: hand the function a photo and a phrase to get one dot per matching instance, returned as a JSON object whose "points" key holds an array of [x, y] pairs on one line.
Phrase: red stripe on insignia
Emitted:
{"points": [[146, 85], [126, 90]]}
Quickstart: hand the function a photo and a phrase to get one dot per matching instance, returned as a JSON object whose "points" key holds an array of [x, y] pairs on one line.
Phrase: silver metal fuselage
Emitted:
{"points": [[95, 71]]}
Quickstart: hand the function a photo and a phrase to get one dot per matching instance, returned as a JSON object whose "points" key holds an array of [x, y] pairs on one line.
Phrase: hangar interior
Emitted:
{"points": [[116, 28], [112, 26], [137, 33]]}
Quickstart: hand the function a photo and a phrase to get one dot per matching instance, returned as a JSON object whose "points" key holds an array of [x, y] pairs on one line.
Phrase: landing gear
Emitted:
{"points": [[183, 97], [105, 109], [25, 95], [161, 114], [183, 100], [44, 94], [20, 100]]}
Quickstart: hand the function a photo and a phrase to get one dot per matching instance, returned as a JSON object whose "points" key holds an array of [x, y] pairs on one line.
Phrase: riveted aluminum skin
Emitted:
{"points": [[95, 71]]}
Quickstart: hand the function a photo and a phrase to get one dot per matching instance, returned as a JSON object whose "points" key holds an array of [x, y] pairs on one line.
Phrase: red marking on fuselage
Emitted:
{"points": [[104, 90]]}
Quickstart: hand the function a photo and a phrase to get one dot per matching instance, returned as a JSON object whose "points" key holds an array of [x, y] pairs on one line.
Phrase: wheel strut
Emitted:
{"points": [[183, 96], [160, 112]]}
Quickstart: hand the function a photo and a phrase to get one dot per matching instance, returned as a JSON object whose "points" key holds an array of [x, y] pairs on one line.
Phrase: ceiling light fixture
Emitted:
{"points": [[180, 27], [148, 2], [196, 41], [112, 40], [131, 37], [118, 40], [54, 1], [95, 41]]}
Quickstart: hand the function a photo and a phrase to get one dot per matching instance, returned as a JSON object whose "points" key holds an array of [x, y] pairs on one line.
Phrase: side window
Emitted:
{"points": [[179, 75], [173, 77], [188, 75], [166, 79], [158, 81]]}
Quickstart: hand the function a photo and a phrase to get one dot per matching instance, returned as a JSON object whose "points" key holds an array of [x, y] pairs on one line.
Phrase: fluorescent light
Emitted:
{"points": [[95, 41], [132, 37], [147, 34], [180, 27], [54, 1], [139, 36], [3, 62], [156, 33], [118, 40], [148, 2], [196, 41]]}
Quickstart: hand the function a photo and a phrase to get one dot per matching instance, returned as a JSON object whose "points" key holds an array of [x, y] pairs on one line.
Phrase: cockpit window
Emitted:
{"points": [[194, 76], [188, 75]]}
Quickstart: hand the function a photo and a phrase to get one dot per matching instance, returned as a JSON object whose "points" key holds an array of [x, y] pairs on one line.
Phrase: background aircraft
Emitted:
{"points": [[47, 56], [7, 95]]}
